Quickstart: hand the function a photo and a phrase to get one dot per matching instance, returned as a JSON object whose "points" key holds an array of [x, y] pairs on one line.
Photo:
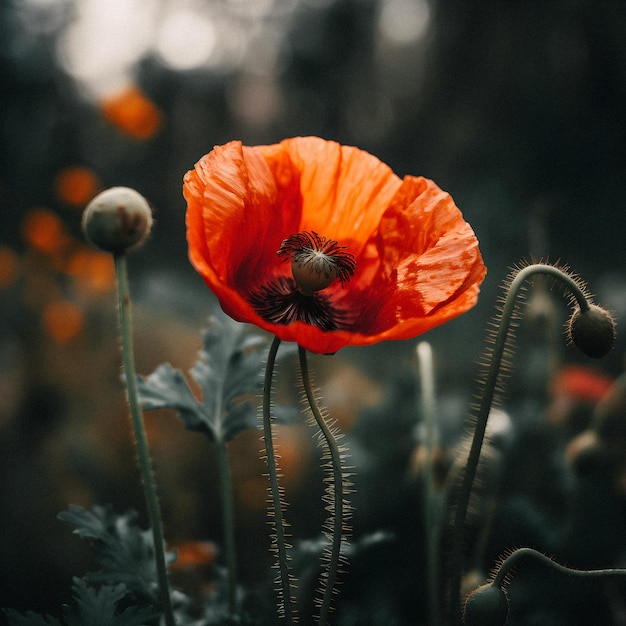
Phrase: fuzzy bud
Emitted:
{"points": [[117, 220], [486, 606], [592, 331]]}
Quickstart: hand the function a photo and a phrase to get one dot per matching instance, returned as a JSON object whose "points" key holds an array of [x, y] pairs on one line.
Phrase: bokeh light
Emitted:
{"points": [[106, 39], [93, 271], [43, 230], [404, 21], [76, 185], [132, 112], [186, 39], [193, 553], [62, 320]]}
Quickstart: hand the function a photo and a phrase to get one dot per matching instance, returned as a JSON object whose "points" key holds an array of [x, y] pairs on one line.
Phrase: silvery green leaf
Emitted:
{"points": [[15, 618], [93, 606], [229, 373], [124, 551], [99, 607], [166, 388]]}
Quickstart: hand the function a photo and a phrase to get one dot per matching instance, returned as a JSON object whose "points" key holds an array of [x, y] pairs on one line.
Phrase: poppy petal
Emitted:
{"points": [[437, 249], [344, 190]]}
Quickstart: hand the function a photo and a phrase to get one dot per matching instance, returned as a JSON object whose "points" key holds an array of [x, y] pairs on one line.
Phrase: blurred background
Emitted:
{"points": [[516, 109]]}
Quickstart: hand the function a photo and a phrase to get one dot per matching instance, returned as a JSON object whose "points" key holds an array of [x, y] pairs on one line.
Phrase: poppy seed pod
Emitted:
{"points": [[310, 279], [592, 331], [486, 606], [316, 261], [117, 220]]}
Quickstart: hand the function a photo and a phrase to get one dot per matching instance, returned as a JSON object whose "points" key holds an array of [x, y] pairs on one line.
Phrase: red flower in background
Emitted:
{"points": [[373, 257]]}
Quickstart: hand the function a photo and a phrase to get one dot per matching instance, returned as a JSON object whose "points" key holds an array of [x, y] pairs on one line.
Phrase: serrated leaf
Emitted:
{"points": [[124, 551], [229, 373], [166, 388], [99, 607], [15, 618], [93, 607], [91, 524]]}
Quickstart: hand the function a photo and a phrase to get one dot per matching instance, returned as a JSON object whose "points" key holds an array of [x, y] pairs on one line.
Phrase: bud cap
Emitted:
{"points": [[592, 331], [486, 606], [117, 220]]}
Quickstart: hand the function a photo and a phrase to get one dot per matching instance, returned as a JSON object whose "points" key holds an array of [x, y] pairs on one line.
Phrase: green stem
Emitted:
{"points": [[228, 519], [143, 453], [528, 553], [279, 528], [337, 490], [431, 508], [484, 409]]}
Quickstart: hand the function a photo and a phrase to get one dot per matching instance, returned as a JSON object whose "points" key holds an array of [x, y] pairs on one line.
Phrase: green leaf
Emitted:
{"points": [[166, 388], [14, 618], [99, 607], [93, 607], [124, 551], [229, 373]]}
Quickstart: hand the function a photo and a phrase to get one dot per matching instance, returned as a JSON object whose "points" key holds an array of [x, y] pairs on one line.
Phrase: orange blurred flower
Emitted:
{"points": [[581, 383], [373, 257], [62, 320], [132, 112], [194, 553], [43, 230], [76, 185], [92, 270]]}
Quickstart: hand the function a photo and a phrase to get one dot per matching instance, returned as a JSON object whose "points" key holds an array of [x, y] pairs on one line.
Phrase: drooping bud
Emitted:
{"points": [[117, 220], [592, 331], [486, 606]]}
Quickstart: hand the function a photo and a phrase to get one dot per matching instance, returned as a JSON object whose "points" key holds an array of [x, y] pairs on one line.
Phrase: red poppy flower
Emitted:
{"points": [[373, 257]]}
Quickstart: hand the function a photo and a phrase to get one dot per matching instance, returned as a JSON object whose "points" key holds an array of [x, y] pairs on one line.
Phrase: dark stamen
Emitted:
{"points": [[281, 302]]}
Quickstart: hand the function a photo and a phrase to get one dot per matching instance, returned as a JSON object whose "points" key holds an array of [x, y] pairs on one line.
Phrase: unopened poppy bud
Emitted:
{"points": [[592, 331], [486, 606], [117, 220]]}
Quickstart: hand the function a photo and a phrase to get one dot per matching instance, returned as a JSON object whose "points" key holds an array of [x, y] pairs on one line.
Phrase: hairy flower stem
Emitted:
{"points": [[480, 427], [504, 570], [337, 490], [279, 528], [228, 519], [432, 511], [141, 440]]}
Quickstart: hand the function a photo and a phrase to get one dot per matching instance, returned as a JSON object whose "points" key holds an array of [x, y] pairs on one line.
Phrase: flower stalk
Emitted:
{"points": [[141, 440], [506, 567], [432, 512], [486, 401], [336, 486], [277, 504], [228, 519], [489, 604]]}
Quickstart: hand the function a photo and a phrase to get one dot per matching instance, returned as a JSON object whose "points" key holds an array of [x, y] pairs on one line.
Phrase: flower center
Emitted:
{"points": [[316, 262]]}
